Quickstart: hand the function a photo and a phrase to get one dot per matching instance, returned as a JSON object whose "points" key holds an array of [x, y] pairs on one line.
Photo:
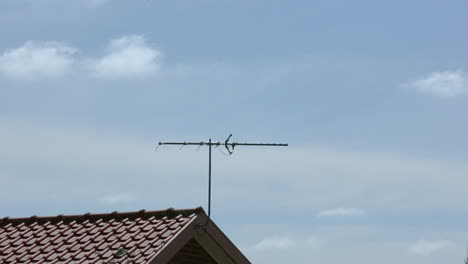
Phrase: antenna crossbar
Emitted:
{"points": [[230, 148], [222, 144]]}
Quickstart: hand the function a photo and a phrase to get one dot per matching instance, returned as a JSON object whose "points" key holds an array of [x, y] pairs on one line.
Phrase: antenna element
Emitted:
{"points": [[229, 147]]}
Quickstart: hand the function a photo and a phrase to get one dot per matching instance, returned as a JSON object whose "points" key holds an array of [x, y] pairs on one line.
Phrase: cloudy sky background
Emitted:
{"points": [[371, 96]]}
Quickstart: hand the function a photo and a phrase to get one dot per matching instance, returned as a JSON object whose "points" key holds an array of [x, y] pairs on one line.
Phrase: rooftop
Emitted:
{"points": [[134, 237]]}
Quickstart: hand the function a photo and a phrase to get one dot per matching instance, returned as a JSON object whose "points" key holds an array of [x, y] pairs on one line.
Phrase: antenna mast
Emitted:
{"points": [[230, 146]]}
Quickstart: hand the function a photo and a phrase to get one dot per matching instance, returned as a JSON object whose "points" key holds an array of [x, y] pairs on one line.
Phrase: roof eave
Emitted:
{"points": [[200, 228]]}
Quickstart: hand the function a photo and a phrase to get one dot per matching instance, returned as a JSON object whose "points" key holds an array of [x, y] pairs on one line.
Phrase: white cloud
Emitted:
{"points": [[275, 243], [341, 212], [443, 84], [36, 60], [128, 57], [117, 199], [427, 247]]}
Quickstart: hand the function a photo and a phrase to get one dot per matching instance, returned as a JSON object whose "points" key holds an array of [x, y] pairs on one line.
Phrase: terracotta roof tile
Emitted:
{"points": [[134, 237]]}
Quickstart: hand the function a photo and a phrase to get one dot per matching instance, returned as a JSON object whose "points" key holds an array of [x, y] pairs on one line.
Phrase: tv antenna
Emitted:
{"points": [[230, 146]]}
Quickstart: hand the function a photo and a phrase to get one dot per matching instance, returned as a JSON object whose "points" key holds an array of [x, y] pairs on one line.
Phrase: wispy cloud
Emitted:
{"points": [[97, 156], [275, 243], [284, 242], [445, 84], [116, 199], [341, 212], [314, 242], [95, 3], [427, 247], [128, 57], [37, 60]]}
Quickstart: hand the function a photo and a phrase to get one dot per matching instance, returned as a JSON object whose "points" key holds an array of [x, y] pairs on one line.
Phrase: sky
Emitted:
{"points": [[370, 95]]}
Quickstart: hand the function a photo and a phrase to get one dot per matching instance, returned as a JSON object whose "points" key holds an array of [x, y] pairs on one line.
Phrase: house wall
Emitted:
{"points": [[192, 253]]}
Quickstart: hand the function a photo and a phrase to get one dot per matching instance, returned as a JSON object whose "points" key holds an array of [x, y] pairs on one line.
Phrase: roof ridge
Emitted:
{"points": [[170, 213]]}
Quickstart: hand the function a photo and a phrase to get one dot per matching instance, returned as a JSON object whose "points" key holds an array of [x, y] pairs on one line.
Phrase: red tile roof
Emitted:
{"points": [[136, 237]]}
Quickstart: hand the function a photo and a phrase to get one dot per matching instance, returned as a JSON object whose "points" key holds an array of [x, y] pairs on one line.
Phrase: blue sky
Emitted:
{"points": [[371, 96]]}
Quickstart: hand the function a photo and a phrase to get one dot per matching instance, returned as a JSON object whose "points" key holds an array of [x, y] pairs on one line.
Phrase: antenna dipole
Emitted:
{"points": [[230, 146]]}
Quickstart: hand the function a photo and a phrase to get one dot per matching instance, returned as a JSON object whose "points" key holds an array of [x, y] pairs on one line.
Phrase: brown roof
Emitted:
{"points": [[138, 237]]}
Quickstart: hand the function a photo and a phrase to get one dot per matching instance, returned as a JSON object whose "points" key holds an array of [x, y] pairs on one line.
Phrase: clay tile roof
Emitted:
{"points": [[135, 237]]}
